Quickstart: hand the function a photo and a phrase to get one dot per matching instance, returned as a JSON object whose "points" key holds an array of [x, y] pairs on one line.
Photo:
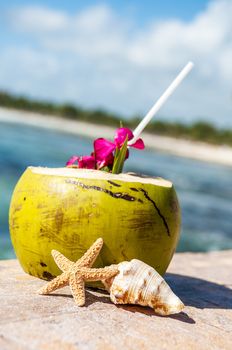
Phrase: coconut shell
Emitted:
{"points": [[68, 209]]}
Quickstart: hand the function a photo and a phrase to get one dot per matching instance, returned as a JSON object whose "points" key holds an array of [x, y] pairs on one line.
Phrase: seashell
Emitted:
{"points": [[138, 283]]}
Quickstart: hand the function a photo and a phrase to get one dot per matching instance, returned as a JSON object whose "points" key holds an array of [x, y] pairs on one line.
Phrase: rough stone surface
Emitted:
{"points": [[202, 281]]}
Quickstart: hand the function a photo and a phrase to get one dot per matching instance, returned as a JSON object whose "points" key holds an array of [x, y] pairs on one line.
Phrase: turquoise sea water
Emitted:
{"points": [[204, 189]]}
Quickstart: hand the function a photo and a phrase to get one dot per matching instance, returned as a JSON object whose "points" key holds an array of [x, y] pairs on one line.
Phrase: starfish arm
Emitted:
{"points": [[91, 255], [77, 287], [100, 274], [61, 261], [56, 283]]}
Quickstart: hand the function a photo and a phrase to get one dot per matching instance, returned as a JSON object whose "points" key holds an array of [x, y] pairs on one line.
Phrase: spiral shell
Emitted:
{"points": [[138, 283]]}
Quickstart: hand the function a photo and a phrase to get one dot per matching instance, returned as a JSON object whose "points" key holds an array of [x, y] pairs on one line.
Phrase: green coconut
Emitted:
{"points": [[68, 209]]}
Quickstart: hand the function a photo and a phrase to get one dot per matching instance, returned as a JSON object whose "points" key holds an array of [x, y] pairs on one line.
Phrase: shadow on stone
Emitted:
{"points": [[91, 298], [192, 291], [104, 297], [200, 293], [182, 316]]}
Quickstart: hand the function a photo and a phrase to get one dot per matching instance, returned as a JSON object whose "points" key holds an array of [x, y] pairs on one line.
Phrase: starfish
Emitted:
{"points": [[75, 274]]}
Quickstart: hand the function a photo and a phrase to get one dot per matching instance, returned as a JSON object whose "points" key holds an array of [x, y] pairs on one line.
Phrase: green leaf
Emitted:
{"points": [[116, 154], [119, 158]]}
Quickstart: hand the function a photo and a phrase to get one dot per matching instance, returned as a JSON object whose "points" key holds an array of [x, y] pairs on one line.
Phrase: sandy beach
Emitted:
{"points": [[180, 147]]}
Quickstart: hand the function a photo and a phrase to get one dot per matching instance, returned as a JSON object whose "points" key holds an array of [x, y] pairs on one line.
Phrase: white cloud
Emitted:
{"points": [[97, 59], [36, 19]]}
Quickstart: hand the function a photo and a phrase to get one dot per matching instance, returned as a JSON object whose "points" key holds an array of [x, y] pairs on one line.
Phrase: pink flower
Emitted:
{"points": [[121, 135], [103, 149], [86, 162]]}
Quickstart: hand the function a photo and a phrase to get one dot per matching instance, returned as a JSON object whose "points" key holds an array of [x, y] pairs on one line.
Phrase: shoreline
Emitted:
{"points": [[179, 147]]}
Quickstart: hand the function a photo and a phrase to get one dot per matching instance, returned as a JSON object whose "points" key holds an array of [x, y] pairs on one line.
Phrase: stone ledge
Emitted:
{"points": [[202, 281]]}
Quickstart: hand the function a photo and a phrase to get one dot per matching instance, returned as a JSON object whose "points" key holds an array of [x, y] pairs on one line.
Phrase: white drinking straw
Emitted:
{"points": [[176, 82]]}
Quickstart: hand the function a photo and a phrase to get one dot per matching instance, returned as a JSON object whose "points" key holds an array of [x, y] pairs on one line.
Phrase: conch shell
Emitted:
{"points": [[139, 283]]}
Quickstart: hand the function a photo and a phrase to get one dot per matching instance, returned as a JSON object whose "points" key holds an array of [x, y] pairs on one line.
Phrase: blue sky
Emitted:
{"points": [[120, 55], [142, 11]]}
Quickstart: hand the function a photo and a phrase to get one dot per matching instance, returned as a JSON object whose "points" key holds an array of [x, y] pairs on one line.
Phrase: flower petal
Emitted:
{"points": [[72, 160], [103, 148], [108, 161], [139, 144], [86, 162], [121, 134]]}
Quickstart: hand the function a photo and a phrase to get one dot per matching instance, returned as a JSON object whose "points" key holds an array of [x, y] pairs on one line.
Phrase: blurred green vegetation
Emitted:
{"points": [[199, 131]]}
